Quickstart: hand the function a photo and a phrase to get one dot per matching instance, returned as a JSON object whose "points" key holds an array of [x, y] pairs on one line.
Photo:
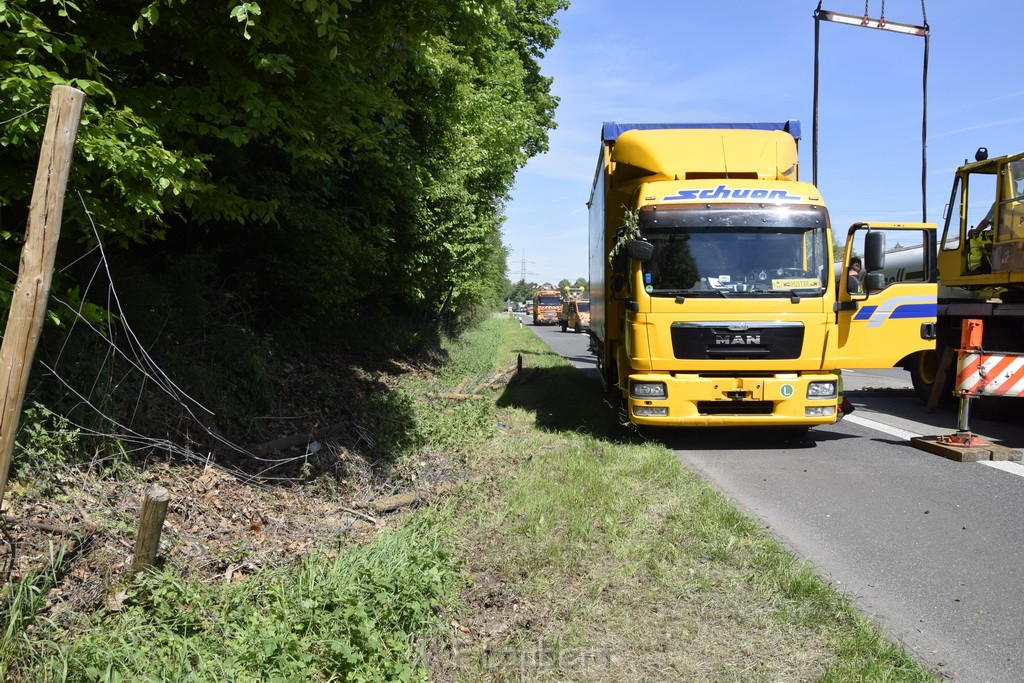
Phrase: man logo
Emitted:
{"points": [[737, 339]]}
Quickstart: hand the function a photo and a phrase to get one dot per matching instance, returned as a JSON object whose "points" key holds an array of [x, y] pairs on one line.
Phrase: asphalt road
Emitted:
{"points": [[930, 548]]}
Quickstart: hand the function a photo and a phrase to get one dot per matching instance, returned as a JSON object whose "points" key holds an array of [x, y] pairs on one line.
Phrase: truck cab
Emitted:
{"points": [[546, 305], [982, 245]]}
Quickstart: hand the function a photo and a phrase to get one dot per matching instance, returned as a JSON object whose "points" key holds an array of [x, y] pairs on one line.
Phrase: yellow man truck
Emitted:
{"points": [[713, 298]]}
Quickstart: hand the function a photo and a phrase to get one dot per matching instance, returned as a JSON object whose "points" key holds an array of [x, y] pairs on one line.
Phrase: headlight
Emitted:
{"points": [[821, 390], [819, 411], [648, 390], [650, 411]]}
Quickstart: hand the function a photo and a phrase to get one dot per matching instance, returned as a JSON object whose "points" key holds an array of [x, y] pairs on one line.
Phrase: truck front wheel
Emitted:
{"points": [[924, 371]]}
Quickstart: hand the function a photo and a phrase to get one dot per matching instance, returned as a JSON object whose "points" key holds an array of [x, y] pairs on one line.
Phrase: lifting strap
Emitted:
{"points": [[896, 27]]}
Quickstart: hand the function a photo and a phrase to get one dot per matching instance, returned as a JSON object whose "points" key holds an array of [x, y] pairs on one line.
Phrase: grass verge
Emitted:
{"points": [[573, 552], [357, 615], [599, 557]]}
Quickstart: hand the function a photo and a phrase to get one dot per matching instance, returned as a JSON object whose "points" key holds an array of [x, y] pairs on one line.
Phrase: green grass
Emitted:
{"points": [[575, 551], [357, 616], [637, 569]]}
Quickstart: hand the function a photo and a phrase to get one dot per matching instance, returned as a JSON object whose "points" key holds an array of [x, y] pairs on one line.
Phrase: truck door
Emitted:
{"points": [[892, 317]]}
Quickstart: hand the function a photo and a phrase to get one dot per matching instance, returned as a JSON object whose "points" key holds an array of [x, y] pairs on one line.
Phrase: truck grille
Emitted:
{"points": [[737, 340]]}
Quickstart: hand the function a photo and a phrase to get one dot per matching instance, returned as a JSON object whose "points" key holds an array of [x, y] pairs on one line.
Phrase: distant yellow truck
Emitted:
{"points": [[575, 314], [546, 305]]}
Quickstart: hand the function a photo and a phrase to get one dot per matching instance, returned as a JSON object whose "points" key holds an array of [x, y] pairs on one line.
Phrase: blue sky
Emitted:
{"points": [[753, 60]]}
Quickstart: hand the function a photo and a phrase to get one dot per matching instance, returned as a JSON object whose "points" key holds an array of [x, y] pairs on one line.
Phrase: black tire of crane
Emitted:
{"points": [[924, 368]]}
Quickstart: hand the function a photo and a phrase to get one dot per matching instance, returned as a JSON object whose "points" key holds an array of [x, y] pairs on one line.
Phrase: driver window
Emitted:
{"points": [[905, 257]]}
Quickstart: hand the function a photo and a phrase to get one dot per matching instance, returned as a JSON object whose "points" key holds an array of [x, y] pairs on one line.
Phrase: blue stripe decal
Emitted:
{"points": [[904, 312], [915, 311]]}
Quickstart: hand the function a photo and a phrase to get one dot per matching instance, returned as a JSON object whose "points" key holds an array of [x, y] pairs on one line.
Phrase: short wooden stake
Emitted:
{"points": [[154, 509]]}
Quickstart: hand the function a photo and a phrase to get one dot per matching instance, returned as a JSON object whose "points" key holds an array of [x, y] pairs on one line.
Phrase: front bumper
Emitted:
{"points": [[693, 400]]}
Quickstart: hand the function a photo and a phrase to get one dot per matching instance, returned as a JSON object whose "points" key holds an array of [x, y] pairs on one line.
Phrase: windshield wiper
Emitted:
{"points": [[681, 294], [798, 292]]}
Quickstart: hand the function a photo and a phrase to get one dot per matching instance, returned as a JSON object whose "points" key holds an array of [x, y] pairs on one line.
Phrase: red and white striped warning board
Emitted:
{"points": [[990, 374]]}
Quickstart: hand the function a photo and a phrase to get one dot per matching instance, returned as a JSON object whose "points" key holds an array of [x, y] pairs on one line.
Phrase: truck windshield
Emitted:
{"points": [[546, 300], [736, 249]]}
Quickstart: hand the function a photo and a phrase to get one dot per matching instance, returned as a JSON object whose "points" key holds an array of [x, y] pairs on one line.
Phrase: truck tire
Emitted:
{"points": [[564, 327], [577, 329], [924, 369]]}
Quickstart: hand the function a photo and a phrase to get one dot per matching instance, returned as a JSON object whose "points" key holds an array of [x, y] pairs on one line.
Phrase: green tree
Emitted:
{"points": [[520, 291], [326, 154], [270, 170]]}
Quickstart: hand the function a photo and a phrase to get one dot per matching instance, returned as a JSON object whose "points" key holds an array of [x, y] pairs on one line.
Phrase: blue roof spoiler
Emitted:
{"points": [[611, 130]]}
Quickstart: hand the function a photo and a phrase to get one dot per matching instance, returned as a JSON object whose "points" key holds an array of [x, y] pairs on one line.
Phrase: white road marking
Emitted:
{"points": [[878, 426], [1006, 466]]}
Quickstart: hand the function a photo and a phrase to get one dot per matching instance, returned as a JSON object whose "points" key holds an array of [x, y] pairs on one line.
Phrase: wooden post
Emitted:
{"points": [[28, 304], [151, 522]]}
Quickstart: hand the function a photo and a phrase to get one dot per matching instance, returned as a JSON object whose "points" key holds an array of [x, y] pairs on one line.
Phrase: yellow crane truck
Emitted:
{"points": [[713, 299], [981, 278]]}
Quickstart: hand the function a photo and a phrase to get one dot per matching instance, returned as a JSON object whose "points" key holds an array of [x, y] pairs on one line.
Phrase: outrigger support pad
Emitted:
{"points": [[965, 447]]}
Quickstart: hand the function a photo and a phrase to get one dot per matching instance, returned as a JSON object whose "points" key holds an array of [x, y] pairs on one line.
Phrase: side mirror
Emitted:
{"points": [[874, 251], [874, 282], [641, 250]]}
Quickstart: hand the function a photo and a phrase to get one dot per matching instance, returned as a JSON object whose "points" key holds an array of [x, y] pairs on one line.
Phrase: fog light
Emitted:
{"points": [[647, 390], [650, 411], [821, 390], [819, 411]]}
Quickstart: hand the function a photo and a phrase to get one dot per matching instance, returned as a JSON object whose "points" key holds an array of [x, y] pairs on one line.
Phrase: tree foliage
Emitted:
{"points": [[520, 291], [326, 156]]}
